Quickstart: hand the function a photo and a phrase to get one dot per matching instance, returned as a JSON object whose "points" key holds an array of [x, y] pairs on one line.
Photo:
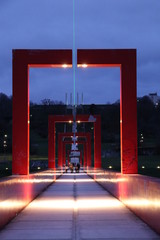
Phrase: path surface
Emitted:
{"points": [[76, 207]]}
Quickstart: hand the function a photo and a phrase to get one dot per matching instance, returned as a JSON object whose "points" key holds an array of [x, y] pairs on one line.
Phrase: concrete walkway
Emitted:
{"points": [[76, 207]]}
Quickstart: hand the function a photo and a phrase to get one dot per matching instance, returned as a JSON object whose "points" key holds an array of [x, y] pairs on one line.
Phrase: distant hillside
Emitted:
{"points": [[148, 121]]}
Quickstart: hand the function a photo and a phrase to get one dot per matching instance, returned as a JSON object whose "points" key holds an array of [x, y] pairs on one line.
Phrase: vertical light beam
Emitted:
{"points": [[74, 56]]}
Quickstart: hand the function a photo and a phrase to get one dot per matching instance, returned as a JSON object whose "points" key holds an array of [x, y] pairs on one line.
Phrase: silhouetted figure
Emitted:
{"points": [[78, 167], [66, 168], [71, 167]]}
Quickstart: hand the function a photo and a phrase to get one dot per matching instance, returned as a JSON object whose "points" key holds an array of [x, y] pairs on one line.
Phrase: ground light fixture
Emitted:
{"points": [[65, 66]]}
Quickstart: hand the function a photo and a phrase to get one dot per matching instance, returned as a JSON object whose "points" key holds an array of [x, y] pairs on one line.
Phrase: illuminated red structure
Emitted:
{"points": [[69, 118], [22, 61], [125, 59], [87, 136]]}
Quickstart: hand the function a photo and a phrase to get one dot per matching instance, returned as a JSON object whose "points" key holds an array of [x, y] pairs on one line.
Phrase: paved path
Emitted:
{"points": [[76, 207]]}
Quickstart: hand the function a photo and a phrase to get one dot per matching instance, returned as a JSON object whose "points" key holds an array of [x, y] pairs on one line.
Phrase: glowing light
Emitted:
{"points": [[111, 180], [64, 65], [36, 180], [74, 174], [5, 135], [72, 180], [74, 56], [6, 168], [142, 202], [84, 65], [48, 174], [110, 167], [70, 121], [28, 122], [78, 121], [38, 167], [11, 204], [158, 166], [52, 204], [143, 166], [78, 204]]}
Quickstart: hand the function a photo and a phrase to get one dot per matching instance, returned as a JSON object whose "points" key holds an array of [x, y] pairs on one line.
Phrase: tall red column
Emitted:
{"points": [[89, 151], [128, 117], [85, 156], [21, 116], [97, 142], [60, 152], [51, 144], [64, 154], [22, 61], [52, 120], [125, 59]]}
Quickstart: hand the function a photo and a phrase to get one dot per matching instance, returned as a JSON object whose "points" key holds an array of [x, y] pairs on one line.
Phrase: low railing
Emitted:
{"points": [[16, 192], [141, 194]]}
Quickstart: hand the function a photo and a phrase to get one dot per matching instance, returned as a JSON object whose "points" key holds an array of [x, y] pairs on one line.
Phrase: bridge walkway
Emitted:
{"points": [[76, 207]]}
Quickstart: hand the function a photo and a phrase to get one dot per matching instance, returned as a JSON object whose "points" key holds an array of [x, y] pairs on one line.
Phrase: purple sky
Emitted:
{"points": [[47, 24]]}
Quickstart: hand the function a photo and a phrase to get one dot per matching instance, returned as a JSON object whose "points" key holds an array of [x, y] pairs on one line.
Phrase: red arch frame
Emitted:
{"points": [[60, 146], [22, 61], [123, 58], [52, 120]]}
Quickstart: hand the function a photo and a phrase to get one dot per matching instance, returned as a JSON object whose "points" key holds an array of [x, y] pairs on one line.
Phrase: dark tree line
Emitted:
{"points": [[148, 120]]}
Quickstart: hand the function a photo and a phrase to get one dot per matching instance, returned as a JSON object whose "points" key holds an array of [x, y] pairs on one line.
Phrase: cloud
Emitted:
{"points": [[48, 24]]}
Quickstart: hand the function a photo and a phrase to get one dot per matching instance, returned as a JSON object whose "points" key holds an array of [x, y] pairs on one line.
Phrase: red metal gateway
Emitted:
{"points": [[123, 58], [22, 61], [87, 136], [69, 118]]}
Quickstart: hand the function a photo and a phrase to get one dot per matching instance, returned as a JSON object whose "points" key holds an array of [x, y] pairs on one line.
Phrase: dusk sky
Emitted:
{"points": [[108, 24]]}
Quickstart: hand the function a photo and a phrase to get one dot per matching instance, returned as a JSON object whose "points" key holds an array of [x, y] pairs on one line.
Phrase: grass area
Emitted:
{"points": [[38, 145], [6, 157], [149, 161], [5, 165], [111, 163], [37, 158], [147, 165]]}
